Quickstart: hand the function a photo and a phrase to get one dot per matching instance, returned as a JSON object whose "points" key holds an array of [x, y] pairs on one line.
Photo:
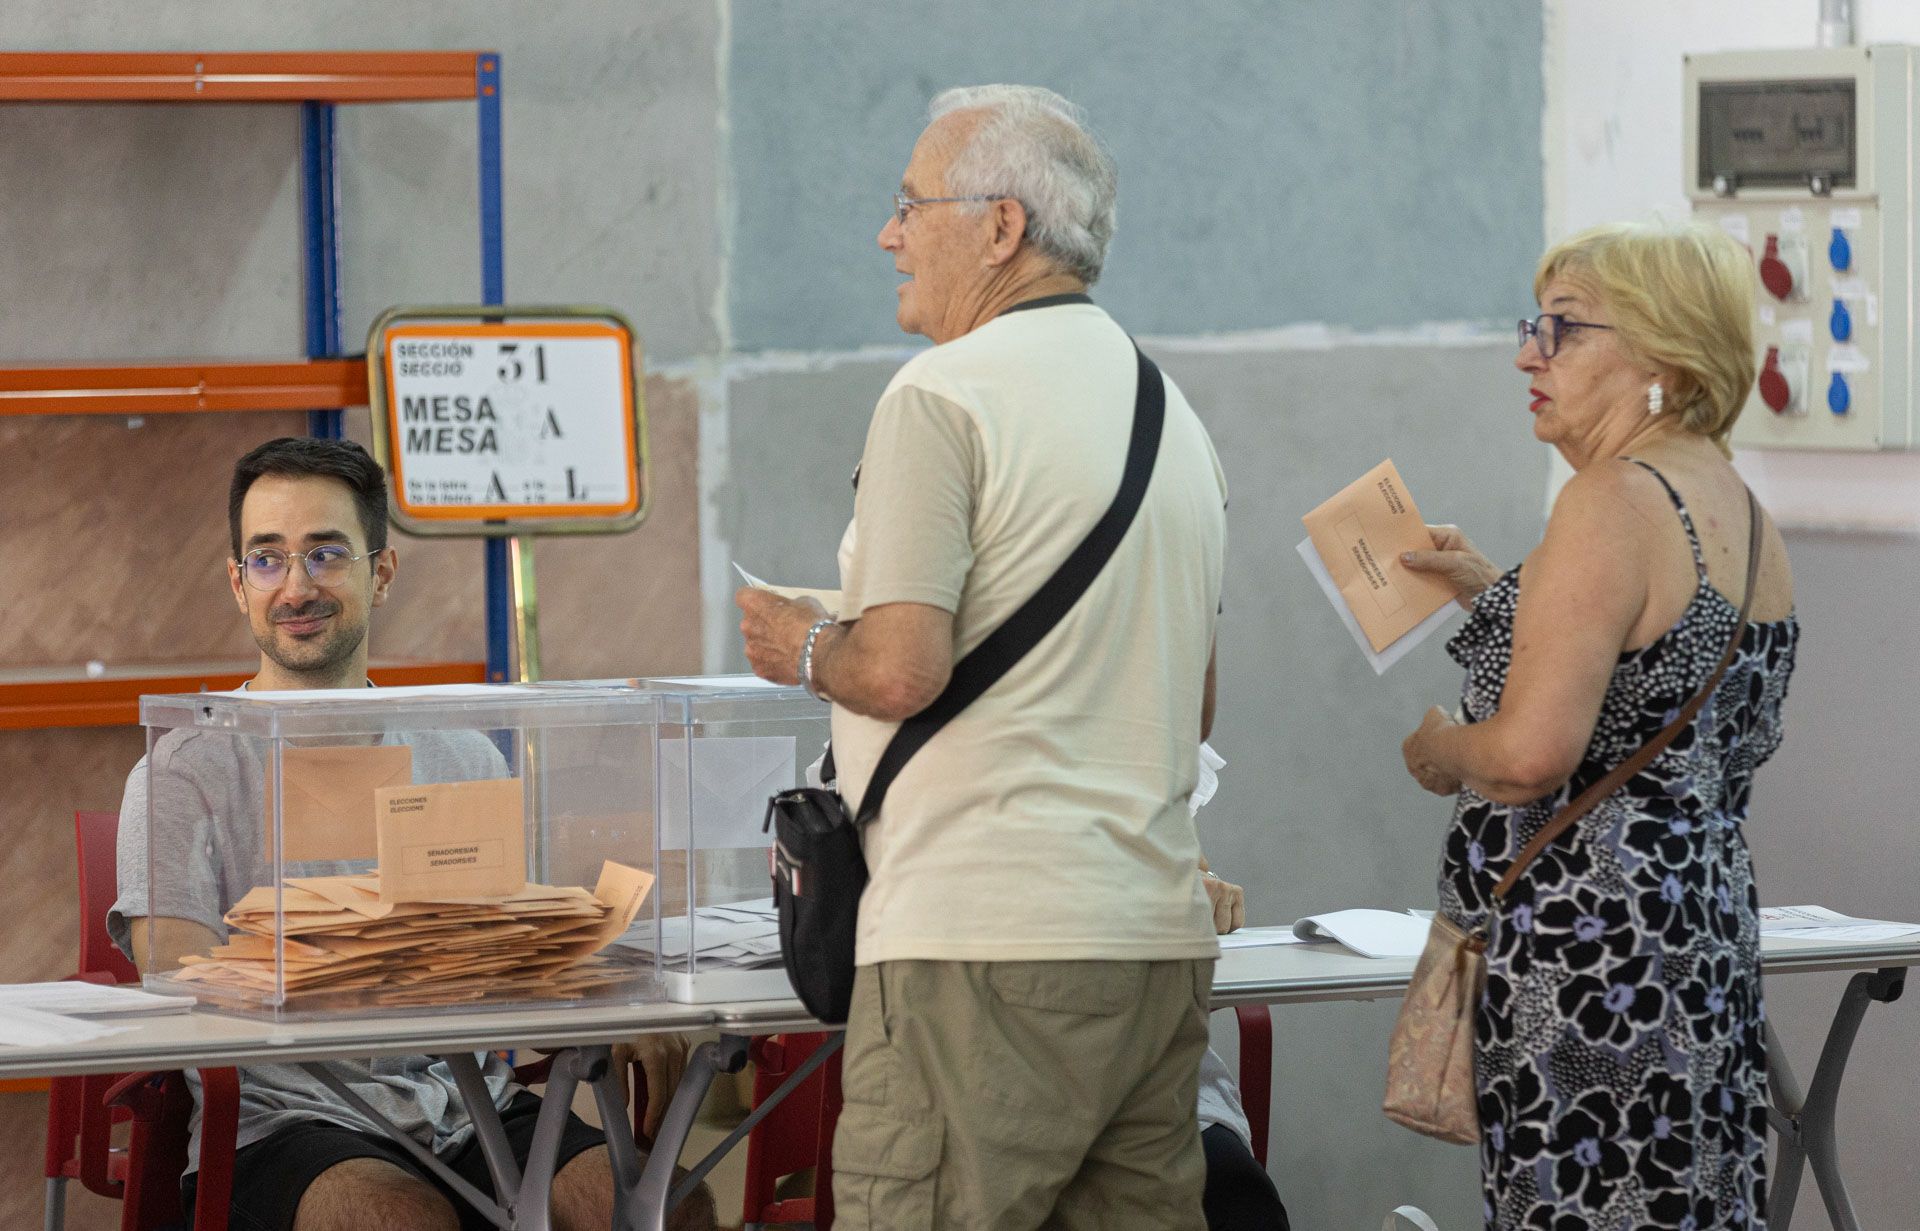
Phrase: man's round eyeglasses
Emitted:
{"points": [[903, 204], [329, 564], [1549, 328]]}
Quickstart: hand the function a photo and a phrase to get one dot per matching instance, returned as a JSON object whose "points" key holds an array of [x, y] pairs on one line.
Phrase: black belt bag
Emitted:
{"points": [[819, 871]]}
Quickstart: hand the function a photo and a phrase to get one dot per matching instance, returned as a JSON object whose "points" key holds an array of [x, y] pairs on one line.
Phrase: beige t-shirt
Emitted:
{"points": [[1048, 821]]}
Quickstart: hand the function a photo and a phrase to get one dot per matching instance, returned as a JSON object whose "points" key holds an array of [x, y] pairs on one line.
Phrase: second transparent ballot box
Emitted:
{"points": [[724, 745], [398, 850]]}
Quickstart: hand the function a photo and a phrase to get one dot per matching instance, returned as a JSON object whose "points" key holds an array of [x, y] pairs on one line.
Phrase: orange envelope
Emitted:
{"points": [[1360, 534], [452, 840], [326, 805]]}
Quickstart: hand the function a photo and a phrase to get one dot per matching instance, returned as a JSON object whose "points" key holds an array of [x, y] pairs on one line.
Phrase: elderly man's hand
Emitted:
{"points": [[1419, 759], [1455, 561], [775, 631], [662, 1058], [1229, 901]]}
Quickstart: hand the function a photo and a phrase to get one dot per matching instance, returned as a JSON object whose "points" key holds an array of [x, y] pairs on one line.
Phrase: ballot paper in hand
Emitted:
{"points": [[830, 599], [1370, 933], [1393, 653], [1359, 536]]}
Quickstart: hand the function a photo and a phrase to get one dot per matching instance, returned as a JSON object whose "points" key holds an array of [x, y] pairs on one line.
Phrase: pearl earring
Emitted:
{"points": [[1656, 398]]}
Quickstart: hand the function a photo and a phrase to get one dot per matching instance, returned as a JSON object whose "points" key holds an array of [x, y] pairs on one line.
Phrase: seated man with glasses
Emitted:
{"points": [[308, 521]]}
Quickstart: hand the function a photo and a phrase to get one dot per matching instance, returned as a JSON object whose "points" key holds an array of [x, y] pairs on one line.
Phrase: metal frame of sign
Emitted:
{"points": [[505, 520]]}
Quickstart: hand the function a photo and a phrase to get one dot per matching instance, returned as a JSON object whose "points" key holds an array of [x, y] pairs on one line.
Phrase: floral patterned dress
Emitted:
{"points": [[1620, 1059]]}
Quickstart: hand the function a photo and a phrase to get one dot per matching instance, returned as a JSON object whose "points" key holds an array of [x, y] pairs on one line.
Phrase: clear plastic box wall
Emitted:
{"points": [[737, 741], [585, 758]]}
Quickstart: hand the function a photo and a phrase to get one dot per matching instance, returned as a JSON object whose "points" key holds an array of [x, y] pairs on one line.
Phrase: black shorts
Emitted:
{"points": [[272, 1174]]}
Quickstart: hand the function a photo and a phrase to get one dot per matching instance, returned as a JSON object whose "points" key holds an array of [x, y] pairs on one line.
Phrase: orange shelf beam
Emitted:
{"points": [[151, 389], [39, 702], [238, 77]]}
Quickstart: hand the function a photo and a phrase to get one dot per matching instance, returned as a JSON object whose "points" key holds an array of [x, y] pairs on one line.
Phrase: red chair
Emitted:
{"points": [[1256, 1072], [82, 1111], [796, 1135]]}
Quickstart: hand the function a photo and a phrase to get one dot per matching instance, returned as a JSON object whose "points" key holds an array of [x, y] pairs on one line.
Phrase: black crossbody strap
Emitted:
{"points": [[1006, 645]]}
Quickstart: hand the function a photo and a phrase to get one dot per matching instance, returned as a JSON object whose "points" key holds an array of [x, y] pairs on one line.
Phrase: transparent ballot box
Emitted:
{"points": [[724, 745], [399, 850]]}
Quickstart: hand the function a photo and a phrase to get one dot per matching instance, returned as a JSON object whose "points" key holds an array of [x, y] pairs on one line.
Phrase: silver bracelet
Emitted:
{"points": [[806, 657]]}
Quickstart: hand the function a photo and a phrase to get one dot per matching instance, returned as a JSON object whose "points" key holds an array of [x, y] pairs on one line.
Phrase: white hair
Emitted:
{"points": [[1034, 146]]}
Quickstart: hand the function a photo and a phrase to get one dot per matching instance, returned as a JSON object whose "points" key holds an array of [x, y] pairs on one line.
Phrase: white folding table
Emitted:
{"points": [[581, 1038]]}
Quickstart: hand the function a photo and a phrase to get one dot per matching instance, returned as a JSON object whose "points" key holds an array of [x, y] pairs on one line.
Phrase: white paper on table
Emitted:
{"points": [[1370, 933], [830, 599], [733, 776], [1393, 653], [81, 998], [1259, 938], [31, 1028], [1819, 923]]}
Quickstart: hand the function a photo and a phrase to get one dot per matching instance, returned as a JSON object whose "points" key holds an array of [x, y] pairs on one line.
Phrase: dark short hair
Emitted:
{"points": [[302, 457]]}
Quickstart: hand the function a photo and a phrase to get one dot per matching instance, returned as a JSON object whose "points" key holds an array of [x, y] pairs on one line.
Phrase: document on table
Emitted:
{"points": [[84, 999], [830, 599], [1353, 548], [1259, 938], [1819, 923], [22, 1027], [1370, 933]]}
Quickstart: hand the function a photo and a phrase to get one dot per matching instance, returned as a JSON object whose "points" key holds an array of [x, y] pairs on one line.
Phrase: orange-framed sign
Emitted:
{"points": [[509, 420]]}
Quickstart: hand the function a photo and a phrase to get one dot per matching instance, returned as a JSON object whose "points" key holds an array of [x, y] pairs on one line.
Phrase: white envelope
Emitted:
{"points": [[733, 776]]}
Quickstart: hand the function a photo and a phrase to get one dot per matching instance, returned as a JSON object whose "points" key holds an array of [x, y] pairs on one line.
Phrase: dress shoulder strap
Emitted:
{"points": [[1686, 518]]}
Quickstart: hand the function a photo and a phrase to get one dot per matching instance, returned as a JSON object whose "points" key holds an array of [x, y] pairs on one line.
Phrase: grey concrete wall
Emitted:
{"points": [[1372, 163], [1834, 822]]}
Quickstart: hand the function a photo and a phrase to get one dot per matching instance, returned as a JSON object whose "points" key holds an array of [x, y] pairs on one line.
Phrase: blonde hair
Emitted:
{"points": [[1681, 298]]}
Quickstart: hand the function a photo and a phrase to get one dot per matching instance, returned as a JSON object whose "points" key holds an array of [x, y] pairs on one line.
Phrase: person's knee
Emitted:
{"points": [[583, 1197], [371, 1194]]}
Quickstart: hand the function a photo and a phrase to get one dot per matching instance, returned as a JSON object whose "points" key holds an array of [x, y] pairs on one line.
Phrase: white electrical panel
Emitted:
{"points": [[1808, 158]]}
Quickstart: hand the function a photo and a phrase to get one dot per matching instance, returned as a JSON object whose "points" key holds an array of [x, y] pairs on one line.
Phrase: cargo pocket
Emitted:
{"points": [[884, 1171]]}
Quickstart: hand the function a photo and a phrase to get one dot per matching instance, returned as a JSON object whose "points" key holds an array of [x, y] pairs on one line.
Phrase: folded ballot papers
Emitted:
{"points": [[733, 936], [339, 934]]}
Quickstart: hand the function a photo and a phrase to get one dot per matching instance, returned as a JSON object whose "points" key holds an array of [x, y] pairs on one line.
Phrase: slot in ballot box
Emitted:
{"points": [[723, 745], [362, 851]]}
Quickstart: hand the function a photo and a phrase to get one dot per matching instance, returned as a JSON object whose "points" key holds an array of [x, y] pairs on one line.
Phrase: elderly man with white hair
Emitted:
{"points": [[1035, 947]]}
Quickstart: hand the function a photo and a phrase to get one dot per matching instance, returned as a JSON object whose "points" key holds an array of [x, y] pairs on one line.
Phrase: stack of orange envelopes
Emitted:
{"points": [[339, 937]]}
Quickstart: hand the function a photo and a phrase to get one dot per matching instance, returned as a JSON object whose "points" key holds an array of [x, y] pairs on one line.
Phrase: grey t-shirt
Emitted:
{"points": [[209, 830]]}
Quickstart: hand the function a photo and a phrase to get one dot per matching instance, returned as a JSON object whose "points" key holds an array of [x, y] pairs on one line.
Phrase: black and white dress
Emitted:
{"points": [[1619, 1051]]}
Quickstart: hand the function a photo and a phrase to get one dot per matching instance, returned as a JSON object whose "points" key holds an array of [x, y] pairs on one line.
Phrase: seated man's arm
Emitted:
{"points": [[169, 941]]}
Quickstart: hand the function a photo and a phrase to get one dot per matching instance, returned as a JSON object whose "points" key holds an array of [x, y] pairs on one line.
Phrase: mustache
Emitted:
{"points": [[305, 611]]}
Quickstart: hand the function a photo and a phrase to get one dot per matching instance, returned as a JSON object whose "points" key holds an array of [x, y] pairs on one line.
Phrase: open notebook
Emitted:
{"points": [[1370, 933]]}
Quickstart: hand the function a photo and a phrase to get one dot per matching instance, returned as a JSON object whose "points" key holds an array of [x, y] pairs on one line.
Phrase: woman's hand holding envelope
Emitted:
{"points": [[1456, 561]]}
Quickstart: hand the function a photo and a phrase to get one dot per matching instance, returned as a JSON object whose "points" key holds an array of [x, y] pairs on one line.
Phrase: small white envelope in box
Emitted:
{"points": [[733, 776]]}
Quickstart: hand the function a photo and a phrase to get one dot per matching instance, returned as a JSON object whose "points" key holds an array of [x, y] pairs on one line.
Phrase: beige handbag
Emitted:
{"points": [[1430, 1085]]}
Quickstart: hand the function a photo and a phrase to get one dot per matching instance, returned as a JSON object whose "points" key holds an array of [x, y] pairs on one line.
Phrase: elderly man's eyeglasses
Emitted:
{"points": [[329, 564], [903, 204], [1549, 329]]}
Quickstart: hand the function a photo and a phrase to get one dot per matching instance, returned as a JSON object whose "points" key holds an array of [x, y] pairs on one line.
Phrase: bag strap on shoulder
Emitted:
{"points": [[1006, 645], [1584, 803]]}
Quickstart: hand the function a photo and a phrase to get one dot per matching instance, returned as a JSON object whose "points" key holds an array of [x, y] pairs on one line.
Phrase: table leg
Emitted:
{"points": [[492, 1212], [489, 1132], [1805, 1122], [645, 1206]]}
